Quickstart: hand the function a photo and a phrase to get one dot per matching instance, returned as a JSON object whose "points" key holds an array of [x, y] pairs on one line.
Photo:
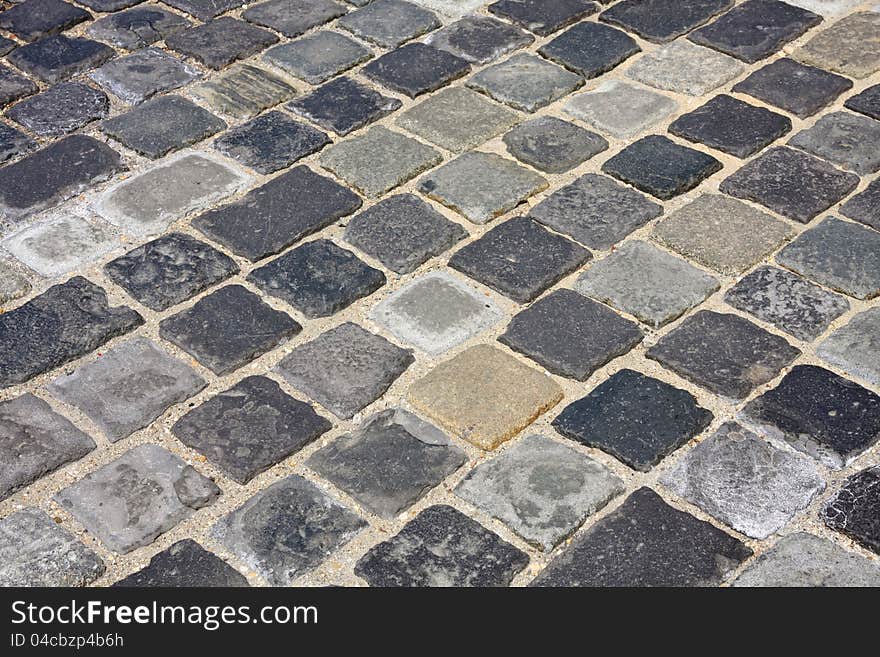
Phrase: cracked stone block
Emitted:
{"points": [[60, 109], [67, 321], [146, 204], [484, 395], [12, 284], [185, 564], [318, 278], [722, 233], [619, 109], [867, 102], [457, 119], [481, 186], [389, 23], [318, 57], [647, 542], [479, 39], [127, 387], [293, 17], [436, 312], [847, 140], [204, 10], [855, 348], [570, 335], [542, 490], [789, 302], [646, 282], [221, 41], [35, 441], [525, 82], [415, 69], [250, 428], [345, 369], [402, 232], [33, 19], [635, 418], [590, 49], [671, 68], [553, 145], [133, 499], [442, 547], [832, 419], [745, 482], [143, 74], [14, 142], [663, 20], [660, 167], [864, 207], [14, 86], [379, 160], [287, 529], [389, 463], [596, 211], [138, 27], [851, 46], [853, 510], [803, 560], [838, 254], [243, 91], [519, 258], [271, 142], [543, 17], [36, 552], [343, 105], [261, 224], [228, 329], [59, 57], [724, 353]]}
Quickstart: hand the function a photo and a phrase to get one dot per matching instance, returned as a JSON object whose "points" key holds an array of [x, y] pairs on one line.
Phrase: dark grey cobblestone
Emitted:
{"points": [[853, 509], [137, 27], [479, 39], [543, 17], [553, 145], [293, 17], [220, 42], [59, 57], [33, 19], [590, 49], [344, 105], [138, 76], [663, 20], [184, 564], [61, 109], [319, 56], [389, 23]]}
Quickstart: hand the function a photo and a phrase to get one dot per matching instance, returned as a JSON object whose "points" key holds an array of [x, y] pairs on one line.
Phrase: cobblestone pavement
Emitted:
{"points": [[440, 292]]}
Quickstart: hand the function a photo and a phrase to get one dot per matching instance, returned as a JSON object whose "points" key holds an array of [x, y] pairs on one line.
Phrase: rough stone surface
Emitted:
{"points": [[851, 46], [619, 109], [6, 45], [61, 109], [855, 348], [293, 17], [663, 20], [479, 39], [590, 49], [12, 284], [415, 69], [243, 91], [318, 57], [343, 105], [543, 17], [184, 564], [59, 57], [847, 140], [853, 510], [865, 206], [33, 19], [866, 102], [13, 86], [141, 75], [553, 145], [389, 23], [671, 68], [13, 142], [525, 82], [219, 42], [826, 7], [137, 27], [453, 8], [204, 9]]}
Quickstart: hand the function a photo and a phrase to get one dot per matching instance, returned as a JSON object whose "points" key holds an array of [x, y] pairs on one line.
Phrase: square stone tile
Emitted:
{"points": [[543, 17], [169, 270], [379, 160], [250, 427], [590, 49], [442, 547], [243, 91], [133, 499], [293, 17], [864, 207], [287, 529], [484, 395], [127, 387], [672, 68], [479, 39], [867, 102], [797, 88], [619, 109], [457, 119], [389, 463], [660, 167], [838, 254], [853, 511], [228, 329], [553, 145], [137, 27], [219, 42], [204, 10], [12, 284], [60, 109], [663, 20], [14, 86], [851, 46], [832, 419], [436, 312], [345, 368], [318, 57], [481, 186], [525, 82], [13, 142], [343, 105], [647, 282], [635, 418], [318, 278], [33, 19], [59, 57], [789, 302], [402, 232], [34, 442], [184, 564], [724, 353], [519, 258], [647, 542], [854, 347], [389, 23], [141, 75], [415, 69], [845, 139]]}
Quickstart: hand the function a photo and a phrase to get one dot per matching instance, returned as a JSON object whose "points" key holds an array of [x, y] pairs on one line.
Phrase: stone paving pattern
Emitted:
{"points": [[440, 293]]}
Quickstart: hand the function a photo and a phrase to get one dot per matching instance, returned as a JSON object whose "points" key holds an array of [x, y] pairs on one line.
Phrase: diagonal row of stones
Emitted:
{"points": [[774, 374]]}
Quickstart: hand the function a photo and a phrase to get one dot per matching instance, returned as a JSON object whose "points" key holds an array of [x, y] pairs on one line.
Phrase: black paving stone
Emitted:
{"points": [[570, 335], [866, 102], [553, 145], [250, 427], [6, 45], [519, 258], [138, 27], [270, 218], [855, 509], [220, 42], [293, 17], [108, 5], [228, 329], [663, 20], [65, 322], [344, 105], [660, 167], [590, 49], [442, 547], [543, 17], [33, 19], [480, 39], [646, 542], [184, 564], [732, 126], [724, 353], [14, 86], [389, 23], [756, 29], [204, 9], [61, 109], [415, 69], [169, 270], [865, 206], [635, 418], [13, 142], [59, 57]]}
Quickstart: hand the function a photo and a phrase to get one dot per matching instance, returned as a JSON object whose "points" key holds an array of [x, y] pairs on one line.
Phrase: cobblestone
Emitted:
{"points": [[61, 109], [141, 75], [590, 49], [622, 110], [855, 347], [318, 57], [184, 564], [389, 23], [525, 82], [553, 145], [853, 510], [137, 27], [58, 57]]}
